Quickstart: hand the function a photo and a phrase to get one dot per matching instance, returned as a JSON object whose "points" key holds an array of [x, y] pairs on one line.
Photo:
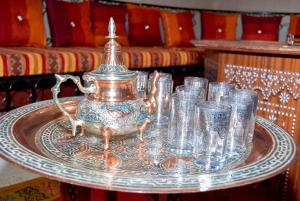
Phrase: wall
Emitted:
{"points": [[285, 6]]}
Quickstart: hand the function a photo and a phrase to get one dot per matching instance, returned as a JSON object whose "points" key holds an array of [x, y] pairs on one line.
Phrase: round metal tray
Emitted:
{"points": [[37, 137]]}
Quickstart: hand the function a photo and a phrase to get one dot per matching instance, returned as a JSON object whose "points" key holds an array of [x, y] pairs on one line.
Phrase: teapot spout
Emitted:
{"points": [[150, 102]]}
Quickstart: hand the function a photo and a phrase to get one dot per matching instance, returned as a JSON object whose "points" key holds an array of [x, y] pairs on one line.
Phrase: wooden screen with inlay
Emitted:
{"points": [[276, 79]]}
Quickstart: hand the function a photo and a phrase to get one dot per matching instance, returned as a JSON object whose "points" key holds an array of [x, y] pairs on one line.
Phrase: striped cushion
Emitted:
{"points": [[70, 23], [218, 26], [18, 61], [178, 29], [100, 14], [294, 25], [21, 23]]}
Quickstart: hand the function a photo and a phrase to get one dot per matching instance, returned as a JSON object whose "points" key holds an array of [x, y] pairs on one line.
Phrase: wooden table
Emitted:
{"points": [[273, 70]]}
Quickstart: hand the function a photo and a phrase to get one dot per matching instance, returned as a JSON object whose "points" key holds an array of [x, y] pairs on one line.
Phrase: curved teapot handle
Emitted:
{"points": [[56, 90]]}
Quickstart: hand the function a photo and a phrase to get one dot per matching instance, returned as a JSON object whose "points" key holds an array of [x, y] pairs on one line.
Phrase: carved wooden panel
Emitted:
{"points": [[277, 81]]}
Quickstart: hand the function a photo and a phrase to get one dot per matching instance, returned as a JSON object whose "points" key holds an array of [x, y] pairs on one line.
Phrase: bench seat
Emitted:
{"points": [[20, 61]]}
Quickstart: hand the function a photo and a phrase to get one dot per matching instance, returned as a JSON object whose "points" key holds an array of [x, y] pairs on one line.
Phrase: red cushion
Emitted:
{"points": [[294, 25], [218, 26], [143, 26], [21, 23], [70, 23], [178, 28], [100, 14], [260, 28]]}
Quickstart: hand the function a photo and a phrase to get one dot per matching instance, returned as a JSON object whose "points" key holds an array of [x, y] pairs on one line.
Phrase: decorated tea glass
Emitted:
{"points": [[191, 91], [142, 84], [253, 96], [163, 96], [218, 89], [196, 82], [181, 123], [211, 127], [240, 124]]}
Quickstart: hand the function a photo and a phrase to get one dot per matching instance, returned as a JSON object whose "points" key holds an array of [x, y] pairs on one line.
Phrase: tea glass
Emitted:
{"points": [[218, 89], [142, 84], [211, 127], [192, 91], [240, 124], [181, 124], [196, 82], [253, 96], [163, 98]]}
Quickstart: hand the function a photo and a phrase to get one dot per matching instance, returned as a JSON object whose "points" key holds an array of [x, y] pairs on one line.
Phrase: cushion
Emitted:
{"points": [[19, 61], [178, 28], [100, 14], [294, 25], [21, 23], [70, 23], [143, 25], [260, 28], [218, 26]]}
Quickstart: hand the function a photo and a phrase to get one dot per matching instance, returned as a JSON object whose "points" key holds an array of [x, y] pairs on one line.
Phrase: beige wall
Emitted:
{"points": [[233, 5]]}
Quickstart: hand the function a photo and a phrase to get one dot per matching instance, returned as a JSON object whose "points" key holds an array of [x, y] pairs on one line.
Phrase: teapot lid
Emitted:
{"points": [[112, 67]]}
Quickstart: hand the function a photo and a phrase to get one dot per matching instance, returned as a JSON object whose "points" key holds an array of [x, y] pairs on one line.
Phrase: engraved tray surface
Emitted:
{"points": [[37, 137]]}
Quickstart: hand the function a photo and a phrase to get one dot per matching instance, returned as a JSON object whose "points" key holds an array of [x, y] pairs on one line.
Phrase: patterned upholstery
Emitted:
{"points": [[19, 61]]}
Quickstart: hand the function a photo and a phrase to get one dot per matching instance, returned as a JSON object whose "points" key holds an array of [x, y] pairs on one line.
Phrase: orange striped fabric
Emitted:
{"points": [[21, 23], [294, 25], [218, 26], [143, 25], [19, 61], [178, 28], [100, 14], [70, 23]]}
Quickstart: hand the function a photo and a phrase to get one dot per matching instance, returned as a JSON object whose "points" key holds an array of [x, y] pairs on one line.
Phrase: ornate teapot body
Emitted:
{"points": [[110, 106]]}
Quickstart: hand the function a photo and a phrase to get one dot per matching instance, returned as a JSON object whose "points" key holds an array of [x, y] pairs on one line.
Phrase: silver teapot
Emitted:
{"points": [[110, 106]]}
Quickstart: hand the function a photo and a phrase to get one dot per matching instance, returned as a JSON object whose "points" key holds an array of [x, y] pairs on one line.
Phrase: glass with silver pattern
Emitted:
{"points": [[211, 127]]}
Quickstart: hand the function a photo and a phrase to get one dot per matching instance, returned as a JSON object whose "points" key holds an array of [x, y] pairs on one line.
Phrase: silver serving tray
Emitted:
{"points": [[37, 137]]}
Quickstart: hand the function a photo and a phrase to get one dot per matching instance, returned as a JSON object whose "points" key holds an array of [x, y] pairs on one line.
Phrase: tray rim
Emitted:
{"points": [[269, 126]]}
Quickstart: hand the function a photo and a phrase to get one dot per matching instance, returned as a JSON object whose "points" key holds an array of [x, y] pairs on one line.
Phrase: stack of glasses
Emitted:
{"points": [[213, 124]]}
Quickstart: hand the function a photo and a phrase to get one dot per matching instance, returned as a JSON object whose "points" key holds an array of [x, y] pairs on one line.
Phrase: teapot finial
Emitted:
{"points": [[112, 61], [111, 29]]}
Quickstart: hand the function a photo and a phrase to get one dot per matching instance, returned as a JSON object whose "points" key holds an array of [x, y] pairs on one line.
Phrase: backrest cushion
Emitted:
{"points": [[294, 25], [178, 28], [218, 26], [143, 25], [21, 23], [100, 14], [260, 27], [70, 23]]}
